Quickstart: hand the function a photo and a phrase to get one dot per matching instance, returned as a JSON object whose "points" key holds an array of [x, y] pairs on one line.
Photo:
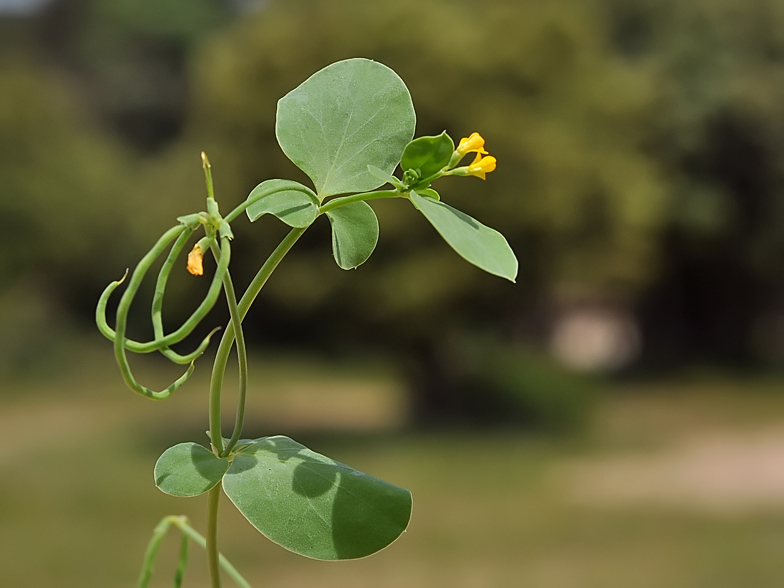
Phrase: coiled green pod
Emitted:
{"points": [[161, 342]]}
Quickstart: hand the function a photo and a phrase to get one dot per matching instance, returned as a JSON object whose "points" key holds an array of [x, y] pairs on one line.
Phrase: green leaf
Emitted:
{"points": [[384, 176], [294, 204], [349, 115], [482, 246], [188, 469], [313, 505], [428, 154], [354, 233], [429, 192]]}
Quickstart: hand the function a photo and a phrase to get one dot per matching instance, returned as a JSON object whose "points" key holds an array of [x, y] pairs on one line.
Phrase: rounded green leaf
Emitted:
{"points": [[482, 246], [429, 155], [313, 505], [294, 204], [354, 233], [188, 469], [349, 115]]}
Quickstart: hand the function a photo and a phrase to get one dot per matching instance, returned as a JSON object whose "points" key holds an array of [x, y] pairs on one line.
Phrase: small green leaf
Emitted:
{"points": [[349, 115], [188, 469], [429, 192], [354, 233], [482, 246], [428, 154], [313, 505], [294, 204], [384, 176]]}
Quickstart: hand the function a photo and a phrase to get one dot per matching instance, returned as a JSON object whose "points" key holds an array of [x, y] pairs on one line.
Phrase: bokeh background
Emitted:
{"points": [[615, 418]]}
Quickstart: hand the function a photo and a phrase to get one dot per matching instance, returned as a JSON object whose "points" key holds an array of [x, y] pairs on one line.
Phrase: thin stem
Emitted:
{"points": [[205, 163], [227, 340], [242, 359], [266, 270], [224, 349], [213, 556], [182, 524], [343, 200], [148, 567], [280, 186], [182, 564], [218, 371], [188, 532]]}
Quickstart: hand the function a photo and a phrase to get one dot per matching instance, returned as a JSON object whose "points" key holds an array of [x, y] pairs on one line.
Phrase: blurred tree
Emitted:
{"points": [[719, 136], [61, 192], [579, 198], [640, 147], [131, 57]]}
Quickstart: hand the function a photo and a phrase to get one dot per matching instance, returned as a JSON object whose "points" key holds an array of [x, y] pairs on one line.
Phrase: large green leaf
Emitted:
{"points": [[294, 204], [349, 115], [354, 233], [188, 469], [486, 248], [313, 505]]}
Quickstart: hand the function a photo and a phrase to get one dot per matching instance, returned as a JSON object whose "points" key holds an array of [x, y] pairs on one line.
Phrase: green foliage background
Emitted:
{"points": [[640, 150]]}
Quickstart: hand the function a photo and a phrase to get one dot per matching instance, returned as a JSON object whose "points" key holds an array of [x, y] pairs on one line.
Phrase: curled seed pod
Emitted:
{"points": [[159, 343], [157, 303], [136, 346], [187, 327]]}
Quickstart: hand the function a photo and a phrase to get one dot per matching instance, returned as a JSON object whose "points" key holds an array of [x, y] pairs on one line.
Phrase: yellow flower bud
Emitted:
{"points": [[195, 258], [481, 166], [473, 143]]}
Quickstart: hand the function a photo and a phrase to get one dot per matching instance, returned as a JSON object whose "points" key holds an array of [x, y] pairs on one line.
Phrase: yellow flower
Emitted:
{"points": [[481, 166], [473, 143], [195, 258]]}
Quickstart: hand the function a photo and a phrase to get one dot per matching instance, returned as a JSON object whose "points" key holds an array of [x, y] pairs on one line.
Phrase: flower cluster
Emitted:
{"points": [[481, 166]]}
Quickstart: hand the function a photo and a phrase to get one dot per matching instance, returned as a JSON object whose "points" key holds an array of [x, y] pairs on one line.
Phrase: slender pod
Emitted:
{"points": [[135, 346], [162, 342], [157, 304], [125, 304]]}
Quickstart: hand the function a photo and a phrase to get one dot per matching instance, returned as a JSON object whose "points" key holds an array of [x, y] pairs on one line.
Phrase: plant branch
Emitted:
{"points": [[343, 200], [213, 555], [242, 357]]}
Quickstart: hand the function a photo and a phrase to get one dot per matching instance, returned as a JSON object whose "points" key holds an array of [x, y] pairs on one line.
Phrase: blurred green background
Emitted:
{"points": [[615, 418]]}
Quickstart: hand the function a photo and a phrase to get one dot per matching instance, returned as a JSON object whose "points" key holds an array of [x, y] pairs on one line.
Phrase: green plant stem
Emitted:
{"points": [[288, 187], [148, 566], [213, 556], [182, 564], [188, 532], [242, 356], [182, 524], [227, 340], [343, 200], [205, 163]]}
